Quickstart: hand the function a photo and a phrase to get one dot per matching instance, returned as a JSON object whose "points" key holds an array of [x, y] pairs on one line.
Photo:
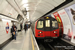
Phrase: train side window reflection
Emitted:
{"points": [[54, 24], [47, 23], [40, 24]]}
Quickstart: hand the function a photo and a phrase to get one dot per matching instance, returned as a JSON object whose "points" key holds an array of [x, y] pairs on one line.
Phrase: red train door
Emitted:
{"points": [[47, 28]]}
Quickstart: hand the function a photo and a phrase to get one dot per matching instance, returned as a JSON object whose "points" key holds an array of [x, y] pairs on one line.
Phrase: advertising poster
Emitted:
{"points": [[71, 13], [66, 25], [58, 18], [7, 27], [56, 15]]}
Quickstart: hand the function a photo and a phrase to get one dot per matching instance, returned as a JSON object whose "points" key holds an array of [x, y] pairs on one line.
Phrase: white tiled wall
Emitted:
{"points": [[3, 35], [7, 9]]}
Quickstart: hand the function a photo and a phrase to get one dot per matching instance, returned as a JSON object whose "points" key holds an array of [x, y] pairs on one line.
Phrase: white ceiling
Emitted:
{"points": [[37, 8]]}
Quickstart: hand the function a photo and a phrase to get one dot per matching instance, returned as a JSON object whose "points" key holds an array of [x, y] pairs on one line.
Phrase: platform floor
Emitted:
{"points": [[23, 41]]}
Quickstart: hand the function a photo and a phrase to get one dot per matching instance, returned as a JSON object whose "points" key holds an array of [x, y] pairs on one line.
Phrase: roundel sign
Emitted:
{"points": [[7, 27]]}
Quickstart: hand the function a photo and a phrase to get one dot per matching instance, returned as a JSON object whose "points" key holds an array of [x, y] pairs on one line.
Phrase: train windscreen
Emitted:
{"points": [[47, 23], [40, 24], [54, 24]]}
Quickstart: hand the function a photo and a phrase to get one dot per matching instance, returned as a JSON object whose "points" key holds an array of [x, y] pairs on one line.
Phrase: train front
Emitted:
{"points": [[46, 27]]}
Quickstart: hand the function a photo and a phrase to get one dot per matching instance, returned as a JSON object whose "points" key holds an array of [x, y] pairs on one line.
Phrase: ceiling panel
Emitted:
{"points": [[1, 1], [51, 2], [36, 16], [46, 6], [59, 1], [43, 11]]}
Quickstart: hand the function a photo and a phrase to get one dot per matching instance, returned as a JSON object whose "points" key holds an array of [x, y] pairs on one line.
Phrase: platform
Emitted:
{"points": [[24, 41]]}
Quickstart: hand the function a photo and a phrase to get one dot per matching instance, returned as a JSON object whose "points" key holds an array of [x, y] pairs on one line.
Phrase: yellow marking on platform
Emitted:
{"points": [[32, 42]]}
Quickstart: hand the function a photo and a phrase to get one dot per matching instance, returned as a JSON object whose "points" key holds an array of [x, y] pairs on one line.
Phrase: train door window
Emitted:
{"points": [[40, 24], [54, 24], [47, 23]]}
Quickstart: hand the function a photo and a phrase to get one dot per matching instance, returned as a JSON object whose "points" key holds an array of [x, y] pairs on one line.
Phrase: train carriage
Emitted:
{"points": [[47, 27]]}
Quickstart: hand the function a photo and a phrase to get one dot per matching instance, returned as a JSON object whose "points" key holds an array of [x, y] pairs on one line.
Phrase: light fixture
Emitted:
{"points": [[6, 20], [25, 5], [24, 1], [40, 32], [55, 31]]}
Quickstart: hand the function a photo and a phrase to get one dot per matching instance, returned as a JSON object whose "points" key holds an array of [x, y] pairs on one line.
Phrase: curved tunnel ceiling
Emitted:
{"points": [[37, 8], [43, 7]]}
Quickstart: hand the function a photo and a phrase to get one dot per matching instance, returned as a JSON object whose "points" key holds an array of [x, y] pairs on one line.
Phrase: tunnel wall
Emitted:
{"points": [[6, 10], [3, 34], [66, 21], [5, 29]]}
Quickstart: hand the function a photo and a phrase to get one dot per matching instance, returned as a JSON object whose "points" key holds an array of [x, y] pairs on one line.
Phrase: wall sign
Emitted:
{"points": [[7, 27]]}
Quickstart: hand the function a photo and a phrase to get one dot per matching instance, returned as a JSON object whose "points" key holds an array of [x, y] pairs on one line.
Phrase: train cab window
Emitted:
{"points": [[40, 24], [47, 22], [54, 24]]}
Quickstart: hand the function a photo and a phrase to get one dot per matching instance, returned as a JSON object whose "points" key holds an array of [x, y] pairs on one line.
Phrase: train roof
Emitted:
{"points": [[46, 17]]}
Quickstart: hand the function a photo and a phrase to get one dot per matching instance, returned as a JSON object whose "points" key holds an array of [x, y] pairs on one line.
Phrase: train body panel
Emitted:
{"points": [[54, 33], [40, 33]]}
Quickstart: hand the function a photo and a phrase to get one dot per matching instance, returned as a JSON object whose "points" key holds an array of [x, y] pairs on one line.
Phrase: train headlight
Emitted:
{"points": [[40, 32], [55, 31]]}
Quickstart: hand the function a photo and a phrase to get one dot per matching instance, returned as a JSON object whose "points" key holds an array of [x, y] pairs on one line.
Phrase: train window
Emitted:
{"points": [[47, 23], [40, 24], [54, 24]]}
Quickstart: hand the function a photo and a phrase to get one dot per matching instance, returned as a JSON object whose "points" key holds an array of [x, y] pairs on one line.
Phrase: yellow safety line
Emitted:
{"points": [[32, 42]]}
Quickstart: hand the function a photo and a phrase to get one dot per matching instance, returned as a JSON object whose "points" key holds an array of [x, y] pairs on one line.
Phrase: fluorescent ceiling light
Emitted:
{"points": [[27, 9], [24, 1], [25, 5], [64, 0], [6, 20], [27, 15]]}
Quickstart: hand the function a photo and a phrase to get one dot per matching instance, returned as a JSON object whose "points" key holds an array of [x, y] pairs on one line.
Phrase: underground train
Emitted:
{"points": [[47, 28]]}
